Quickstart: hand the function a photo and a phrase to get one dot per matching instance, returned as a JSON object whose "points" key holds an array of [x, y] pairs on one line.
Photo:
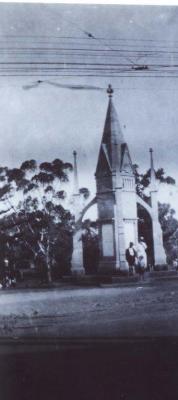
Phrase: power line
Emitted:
{"points": [[88, 49], [94, 65], [77, 75], [36, 43], [14, 36]]}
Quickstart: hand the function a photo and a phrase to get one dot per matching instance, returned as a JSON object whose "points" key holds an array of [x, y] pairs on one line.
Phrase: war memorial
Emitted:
{"points": [[117, 203]]}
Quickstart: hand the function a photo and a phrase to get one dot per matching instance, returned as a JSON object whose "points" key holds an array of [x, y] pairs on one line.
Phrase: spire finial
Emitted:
{"points": [[110, 90], [76, 185], [152, 172], [151, 158]]}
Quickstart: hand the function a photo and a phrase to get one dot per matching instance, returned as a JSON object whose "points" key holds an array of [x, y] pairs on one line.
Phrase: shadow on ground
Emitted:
{"points": [[128, 369]]}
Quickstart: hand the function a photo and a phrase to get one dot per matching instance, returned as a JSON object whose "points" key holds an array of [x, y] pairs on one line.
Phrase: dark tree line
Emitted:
{"points": [[36, 221]]}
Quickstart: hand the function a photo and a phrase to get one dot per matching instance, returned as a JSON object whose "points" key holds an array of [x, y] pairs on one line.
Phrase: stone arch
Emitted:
{"points": [[78, 223], [145, 205], [77, 255], [145, 226], [145, 229]]}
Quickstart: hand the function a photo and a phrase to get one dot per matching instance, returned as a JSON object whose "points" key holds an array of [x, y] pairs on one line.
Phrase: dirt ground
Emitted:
{"points": [[91, 312]]}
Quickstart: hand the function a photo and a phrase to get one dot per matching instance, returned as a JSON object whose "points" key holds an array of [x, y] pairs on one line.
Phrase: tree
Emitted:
{"points": [[169, 223], [36, 218], [35, 211], [143, 179]]}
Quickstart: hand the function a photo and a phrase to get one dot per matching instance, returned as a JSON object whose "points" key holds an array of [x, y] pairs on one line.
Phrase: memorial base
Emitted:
{"points": [[77, 271], [107, 267]]}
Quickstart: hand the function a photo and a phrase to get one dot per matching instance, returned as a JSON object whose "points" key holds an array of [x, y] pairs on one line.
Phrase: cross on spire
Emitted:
{"points": [[151, 158], [76, 185], [110, 90], [152, 171]]}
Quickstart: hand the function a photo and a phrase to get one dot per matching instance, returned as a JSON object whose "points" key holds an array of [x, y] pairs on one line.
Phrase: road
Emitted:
{"points": [[91, 312]]}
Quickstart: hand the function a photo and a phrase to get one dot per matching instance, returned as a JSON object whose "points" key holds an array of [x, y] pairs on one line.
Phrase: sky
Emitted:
{"points": [[48, 122]]}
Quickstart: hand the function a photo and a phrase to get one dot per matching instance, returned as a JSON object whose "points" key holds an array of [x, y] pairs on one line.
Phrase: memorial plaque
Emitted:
{"points": [[107, 240]]}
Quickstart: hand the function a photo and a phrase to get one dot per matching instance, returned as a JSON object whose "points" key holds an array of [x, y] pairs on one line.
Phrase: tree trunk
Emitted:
{"points": [[49, 277]]}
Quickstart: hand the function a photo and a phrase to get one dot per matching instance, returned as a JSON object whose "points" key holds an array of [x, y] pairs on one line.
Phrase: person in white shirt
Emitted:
{"points": [[142, 256]]}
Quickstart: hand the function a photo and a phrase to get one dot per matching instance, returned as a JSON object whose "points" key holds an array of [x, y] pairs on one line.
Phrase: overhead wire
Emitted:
{"points": [[126, 39], [158, 68]]}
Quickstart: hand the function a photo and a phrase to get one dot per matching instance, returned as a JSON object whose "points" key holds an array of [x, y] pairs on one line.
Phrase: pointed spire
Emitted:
{"points": [[152, 172], [112, 140], [76, 185], [110, 90], [112, 130]]}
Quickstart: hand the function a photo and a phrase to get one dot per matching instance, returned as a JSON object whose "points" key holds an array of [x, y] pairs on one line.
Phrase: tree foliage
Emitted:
{"points": [[169, 225], [143, 179], [35, 221], [167, 218]]}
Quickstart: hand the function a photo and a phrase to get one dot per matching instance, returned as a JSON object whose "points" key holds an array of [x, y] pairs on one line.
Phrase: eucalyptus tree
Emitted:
{"points": [[34, 209]]}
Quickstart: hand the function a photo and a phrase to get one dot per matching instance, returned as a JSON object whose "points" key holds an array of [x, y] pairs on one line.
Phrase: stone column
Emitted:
{"points": [[120, 234], [77, 255], [159, 252]]}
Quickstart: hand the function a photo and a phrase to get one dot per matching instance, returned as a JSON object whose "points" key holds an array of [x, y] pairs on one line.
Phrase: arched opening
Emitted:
{"points": [[145, 229], [85, 240], [90, 241], [90, 247]]}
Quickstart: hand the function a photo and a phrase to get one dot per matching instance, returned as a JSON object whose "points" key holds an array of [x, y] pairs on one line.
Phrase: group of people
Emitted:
{"points": [[136, 257]]}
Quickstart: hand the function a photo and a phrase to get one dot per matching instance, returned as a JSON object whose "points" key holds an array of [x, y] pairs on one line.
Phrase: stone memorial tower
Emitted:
{"points": [[116, 195], [117, 202]]}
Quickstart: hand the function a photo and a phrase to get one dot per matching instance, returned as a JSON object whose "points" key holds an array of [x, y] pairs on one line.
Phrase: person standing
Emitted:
{"points": [[142, 257], [130, 257]]}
